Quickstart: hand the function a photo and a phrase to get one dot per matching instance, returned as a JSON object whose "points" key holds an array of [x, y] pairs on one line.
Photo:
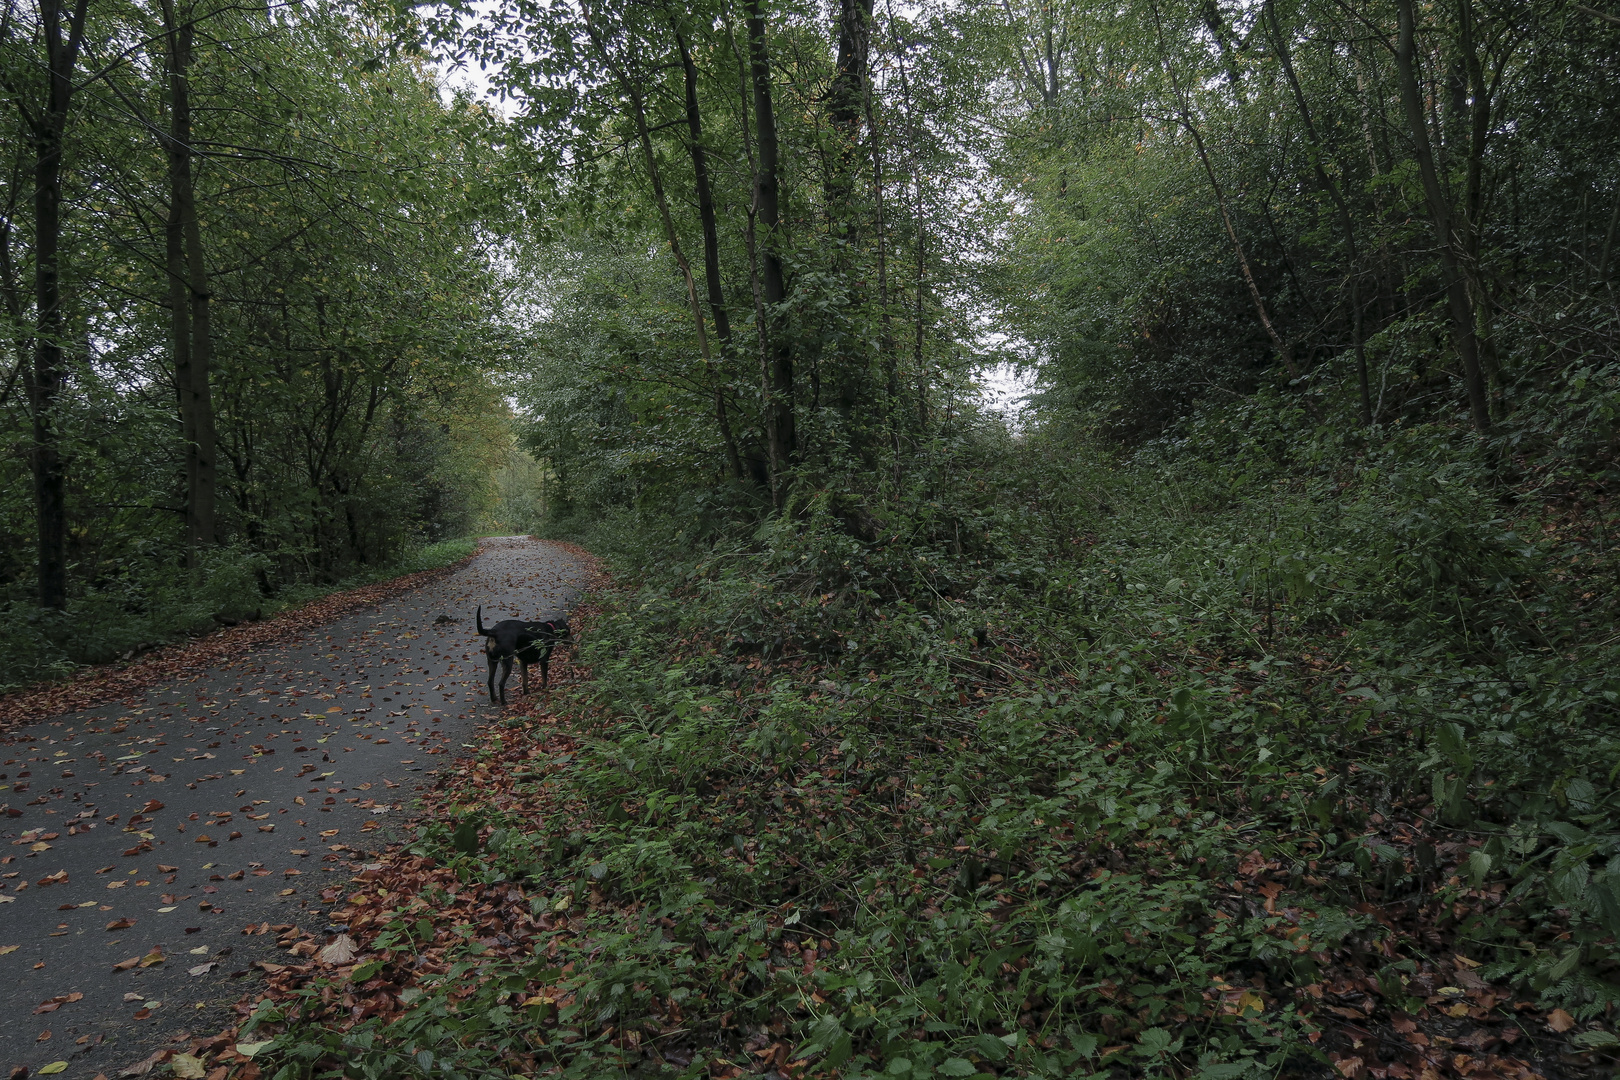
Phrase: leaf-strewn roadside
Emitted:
{"points": [[102, 683]]}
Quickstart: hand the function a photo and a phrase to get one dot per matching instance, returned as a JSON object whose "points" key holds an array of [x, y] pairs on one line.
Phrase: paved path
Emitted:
{"points": [[227, 799]]}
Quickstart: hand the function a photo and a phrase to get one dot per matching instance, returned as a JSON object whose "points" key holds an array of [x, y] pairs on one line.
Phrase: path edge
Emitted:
{"points": [[101, 684]]}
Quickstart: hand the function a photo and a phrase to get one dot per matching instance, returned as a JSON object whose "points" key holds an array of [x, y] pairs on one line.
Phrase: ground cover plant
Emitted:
{"points": [[1298, 765]]}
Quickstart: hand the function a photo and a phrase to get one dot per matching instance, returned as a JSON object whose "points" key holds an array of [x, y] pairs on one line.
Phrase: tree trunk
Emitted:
{"points": [[46, 128], [1456, 285], [845, 99], [766, 197], [711, 243], [631, 88], [705, 199], [189, 316], [1346, 221]]}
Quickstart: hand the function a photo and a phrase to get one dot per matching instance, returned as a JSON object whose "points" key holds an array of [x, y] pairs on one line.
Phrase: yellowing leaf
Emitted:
{"points": [[187, 1067], [1251, 1000], [248, 1050], [53, 1068]]}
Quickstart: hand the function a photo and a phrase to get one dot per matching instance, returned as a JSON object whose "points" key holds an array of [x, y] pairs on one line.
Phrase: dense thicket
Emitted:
{"points": [[245, 260]]}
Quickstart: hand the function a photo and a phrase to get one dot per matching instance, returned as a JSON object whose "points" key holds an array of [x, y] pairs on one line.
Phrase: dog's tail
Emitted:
{"points": [[481, 630]]}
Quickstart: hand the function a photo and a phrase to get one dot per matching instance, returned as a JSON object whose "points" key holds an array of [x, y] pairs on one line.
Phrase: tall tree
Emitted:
{"points": [[1464, 335], [44, 113], [779, 387], [189, 296]]}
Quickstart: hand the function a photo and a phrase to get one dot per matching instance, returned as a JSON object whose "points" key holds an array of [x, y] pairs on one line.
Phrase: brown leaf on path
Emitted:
{"points": [[1560, 1021], [46, 1034], [152, 806], [162, 869], [125, 965], [121, 924], [58, 878], [153, 958], [146, 1065]]}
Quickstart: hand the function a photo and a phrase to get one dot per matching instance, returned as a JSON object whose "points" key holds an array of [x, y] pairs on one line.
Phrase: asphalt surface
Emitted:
{"points": [[226, 800]]}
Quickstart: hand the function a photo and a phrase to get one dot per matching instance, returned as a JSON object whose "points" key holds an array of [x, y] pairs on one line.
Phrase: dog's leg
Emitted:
{"points": [[523, 672], [506, 673], [489, 656]]}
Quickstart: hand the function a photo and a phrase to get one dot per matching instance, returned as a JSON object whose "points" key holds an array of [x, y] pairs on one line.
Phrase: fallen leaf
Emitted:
{"points": [[57, 878], [141, 1068], [1560, 1021], [341, 950], [167, 869], [53, 1068], [203, 969], [4, 949], [121, 924], [152, 806], [125, 965], [248, 1050], [153, 958], [187, 1067]]}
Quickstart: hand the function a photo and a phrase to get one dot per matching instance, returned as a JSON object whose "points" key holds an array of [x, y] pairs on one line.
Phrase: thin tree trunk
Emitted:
{"points": [[711, 244], [885, 324], [1184, 117], [784, 445], [705, 198], [632, 90], [1462, 314], [751, 241], [1346, 222], [46, 130], [1284, 352]]}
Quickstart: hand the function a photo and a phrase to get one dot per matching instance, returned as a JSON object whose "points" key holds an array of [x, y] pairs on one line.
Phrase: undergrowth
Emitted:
{"points": [[1145, 767]]}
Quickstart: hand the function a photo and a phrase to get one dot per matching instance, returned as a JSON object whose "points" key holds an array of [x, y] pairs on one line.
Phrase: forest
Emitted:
{"points": [[1241, 701]]}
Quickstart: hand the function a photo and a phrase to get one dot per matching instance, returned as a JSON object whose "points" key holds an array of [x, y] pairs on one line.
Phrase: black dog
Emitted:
{"points": [[526, 642]]}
